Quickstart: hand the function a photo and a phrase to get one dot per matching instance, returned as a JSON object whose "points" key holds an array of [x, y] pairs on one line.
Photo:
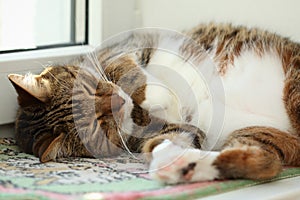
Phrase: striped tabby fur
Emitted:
{"points": [[70, 110]]}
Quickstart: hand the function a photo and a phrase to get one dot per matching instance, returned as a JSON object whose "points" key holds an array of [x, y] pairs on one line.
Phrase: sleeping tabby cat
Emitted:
{"points": [[219, 101]]}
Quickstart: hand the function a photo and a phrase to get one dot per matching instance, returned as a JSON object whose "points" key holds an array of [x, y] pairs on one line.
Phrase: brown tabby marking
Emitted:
{"points": [[258, 153]]}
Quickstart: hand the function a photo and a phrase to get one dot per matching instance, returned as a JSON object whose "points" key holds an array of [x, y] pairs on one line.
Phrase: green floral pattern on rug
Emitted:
{"points": [[124, 177]]}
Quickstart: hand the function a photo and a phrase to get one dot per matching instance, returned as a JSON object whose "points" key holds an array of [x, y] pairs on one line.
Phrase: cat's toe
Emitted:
{"points": [[173, 173], [188, 171]]}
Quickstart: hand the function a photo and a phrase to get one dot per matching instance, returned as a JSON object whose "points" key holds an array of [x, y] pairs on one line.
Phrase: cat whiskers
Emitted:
{"points": [[96, 64], [125, 145]]}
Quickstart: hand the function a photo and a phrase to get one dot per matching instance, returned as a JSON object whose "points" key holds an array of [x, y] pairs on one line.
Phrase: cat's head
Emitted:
{"points": [[68, 112]]}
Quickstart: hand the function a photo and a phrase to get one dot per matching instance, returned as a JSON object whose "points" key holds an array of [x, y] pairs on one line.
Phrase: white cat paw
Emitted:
{"points": [[173, 164]]}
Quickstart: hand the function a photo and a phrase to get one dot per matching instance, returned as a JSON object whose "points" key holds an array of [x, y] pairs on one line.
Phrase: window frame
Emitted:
{"points": [[72, 41]]}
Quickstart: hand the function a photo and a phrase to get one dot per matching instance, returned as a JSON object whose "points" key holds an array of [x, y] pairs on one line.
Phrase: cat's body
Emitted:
{"points": [[239, 86]]}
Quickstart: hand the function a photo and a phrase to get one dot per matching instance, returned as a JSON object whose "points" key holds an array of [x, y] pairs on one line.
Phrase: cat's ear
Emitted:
{"points": [[30, 88], [48, 146]]}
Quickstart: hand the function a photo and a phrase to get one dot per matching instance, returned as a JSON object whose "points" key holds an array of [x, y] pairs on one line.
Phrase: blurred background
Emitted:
{"points": [[282, 16]]}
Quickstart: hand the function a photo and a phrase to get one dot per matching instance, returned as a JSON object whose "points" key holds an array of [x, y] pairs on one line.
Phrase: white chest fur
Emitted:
{"points": [[253, 92]]}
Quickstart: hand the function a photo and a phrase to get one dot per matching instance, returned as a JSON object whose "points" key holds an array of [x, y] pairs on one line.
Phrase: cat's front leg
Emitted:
{"points": [[251, 153], [182, 135]]}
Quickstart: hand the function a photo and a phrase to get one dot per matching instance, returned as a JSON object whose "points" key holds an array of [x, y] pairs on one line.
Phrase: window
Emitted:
{"points": [[36, 24]]}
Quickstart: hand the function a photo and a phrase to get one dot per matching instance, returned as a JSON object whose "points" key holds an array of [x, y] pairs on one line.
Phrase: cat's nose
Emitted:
{"points": [[116, 102]]}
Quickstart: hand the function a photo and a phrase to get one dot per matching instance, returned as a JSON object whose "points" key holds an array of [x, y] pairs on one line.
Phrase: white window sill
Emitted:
{"points": [[30, 60]]}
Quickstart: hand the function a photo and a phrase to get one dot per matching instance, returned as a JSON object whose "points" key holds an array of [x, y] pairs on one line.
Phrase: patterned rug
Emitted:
{"points": [[22, 176]]}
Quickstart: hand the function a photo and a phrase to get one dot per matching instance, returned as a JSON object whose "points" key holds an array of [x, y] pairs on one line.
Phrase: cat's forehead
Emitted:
{"points": [[66, 73]]}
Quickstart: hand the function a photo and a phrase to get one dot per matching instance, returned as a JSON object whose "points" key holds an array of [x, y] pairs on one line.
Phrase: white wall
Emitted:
{"points": [[282, 16], [118, 16]]}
